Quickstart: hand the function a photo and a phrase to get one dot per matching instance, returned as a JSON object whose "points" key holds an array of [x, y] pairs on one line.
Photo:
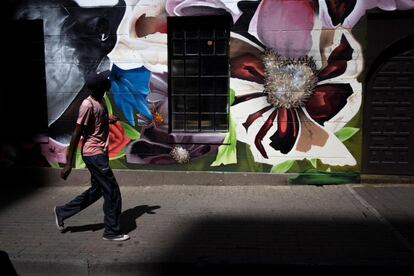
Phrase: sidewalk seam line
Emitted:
{"points": [[381, 218]]}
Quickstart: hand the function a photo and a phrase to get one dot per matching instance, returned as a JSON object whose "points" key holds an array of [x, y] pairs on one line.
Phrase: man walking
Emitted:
{"points": [[93, 125]]}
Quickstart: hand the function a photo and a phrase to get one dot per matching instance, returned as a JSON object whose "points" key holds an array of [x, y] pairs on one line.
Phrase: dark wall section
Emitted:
{"points": [[389, 93], [383, 30], [23, 102]]}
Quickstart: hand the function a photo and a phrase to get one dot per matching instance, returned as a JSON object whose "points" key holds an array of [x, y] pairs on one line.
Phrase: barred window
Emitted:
{"points": [[198, 63]]}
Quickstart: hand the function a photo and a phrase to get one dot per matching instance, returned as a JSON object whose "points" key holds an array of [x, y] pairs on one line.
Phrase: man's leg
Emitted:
{"points": [[81, 201], [99, 165]]}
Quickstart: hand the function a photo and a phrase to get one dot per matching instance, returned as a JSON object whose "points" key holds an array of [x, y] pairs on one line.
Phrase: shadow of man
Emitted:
{"points": [[128, 220], [129, 217]]}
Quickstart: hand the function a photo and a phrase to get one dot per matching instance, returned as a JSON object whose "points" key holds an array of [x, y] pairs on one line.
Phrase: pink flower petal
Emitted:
{"points": [[54, 151], [286, 26]]}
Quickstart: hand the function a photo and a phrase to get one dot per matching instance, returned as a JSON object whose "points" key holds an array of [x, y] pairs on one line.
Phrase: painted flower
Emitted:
{"points": [[142, 37], [130, 89], [347, 13], [141, 50], [54, 151], [291, 100], [180, 154], [332, 13], [157, 102], [285, 26], [156, 144], [206, 7], [117, 139]]}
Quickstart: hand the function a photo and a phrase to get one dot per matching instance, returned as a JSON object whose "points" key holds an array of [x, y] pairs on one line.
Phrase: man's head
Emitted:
{"points": [[98, 83]]}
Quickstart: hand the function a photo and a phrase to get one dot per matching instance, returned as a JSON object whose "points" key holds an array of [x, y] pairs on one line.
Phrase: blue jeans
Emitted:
{"points": [[103, 182]]}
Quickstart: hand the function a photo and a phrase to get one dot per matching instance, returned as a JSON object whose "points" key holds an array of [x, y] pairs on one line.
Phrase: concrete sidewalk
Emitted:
{"points": [[200, 230]]}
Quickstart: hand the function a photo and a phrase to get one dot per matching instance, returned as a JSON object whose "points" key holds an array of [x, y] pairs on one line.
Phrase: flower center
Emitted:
{"points": [[180, 154], [288, 82], [158, 119]]}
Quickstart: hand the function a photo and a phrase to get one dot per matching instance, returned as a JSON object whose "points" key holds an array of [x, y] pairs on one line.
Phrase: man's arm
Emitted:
{"points": [[71, 151]]}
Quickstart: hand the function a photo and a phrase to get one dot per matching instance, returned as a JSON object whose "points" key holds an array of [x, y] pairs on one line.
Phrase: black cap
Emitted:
{"points": [[98, 82]]}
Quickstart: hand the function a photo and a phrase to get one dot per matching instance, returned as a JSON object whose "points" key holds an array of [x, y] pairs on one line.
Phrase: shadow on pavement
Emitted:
{"points": [[271, 269], [129, 217], [270, 246], [6, 266], [17, 183], [128, 220]]}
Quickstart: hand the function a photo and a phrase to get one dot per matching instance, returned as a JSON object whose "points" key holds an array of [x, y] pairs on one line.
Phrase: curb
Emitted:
{"points": [[80, 177]]}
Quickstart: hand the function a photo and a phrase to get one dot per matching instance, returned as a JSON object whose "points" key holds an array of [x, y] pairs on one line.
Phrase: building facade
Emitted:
{"points": [[276, 86]]}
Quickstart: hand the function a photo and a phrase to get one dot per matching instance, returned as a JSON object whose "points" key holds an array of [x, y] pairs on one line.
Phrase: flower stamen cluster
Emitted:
{"points": [[288, 82]]}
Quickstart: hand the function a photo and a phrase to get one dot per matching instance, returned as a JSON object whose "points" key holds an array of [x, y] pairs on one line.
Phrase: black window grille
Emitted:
{"points": [[198, 64]]}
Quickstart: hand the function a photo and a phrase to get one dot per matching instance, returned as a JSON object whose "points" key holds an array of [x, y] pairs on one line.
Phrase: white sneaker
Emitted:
{"points": [[59, 225], [122, 237]]}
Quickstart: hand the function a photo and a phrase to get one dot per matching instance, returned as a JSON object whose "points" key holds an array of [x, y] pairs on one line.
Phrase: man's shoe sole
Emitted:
{"points": [[123, 238]]}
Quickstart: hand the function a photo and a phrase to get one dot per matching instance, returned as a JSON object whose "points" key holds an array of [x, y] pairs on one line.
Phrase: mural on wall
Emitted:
{"points": [[295, 100]]}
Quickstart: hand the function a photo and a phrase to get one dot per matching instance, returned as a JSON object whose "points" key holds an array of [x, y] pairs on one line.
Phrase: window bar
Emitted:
{"points": [[199, 81]]}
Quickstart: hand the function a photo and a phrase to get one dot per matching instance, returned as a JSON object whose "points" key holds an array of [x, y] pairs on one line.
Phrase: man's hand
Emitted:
{"points": [[64, 173], [113, 119]]}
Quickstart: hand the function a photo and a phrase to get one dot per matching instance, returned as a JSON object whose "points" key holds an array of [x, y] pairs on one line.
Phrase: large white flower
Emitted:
{"points": [[294, 116], [142, 38]]}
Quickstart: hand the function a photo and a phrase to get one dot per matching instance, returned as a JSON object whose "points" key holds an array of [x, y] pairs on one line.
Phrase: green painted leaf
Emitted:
{"points": [[282, 167], [108, 104], [314, 162], [54, 165], [131, 132], [346, 133], [316, 177], [227, 153], [79, 164], [232, 96], [117, 164], [119, 155], [248, 160]]}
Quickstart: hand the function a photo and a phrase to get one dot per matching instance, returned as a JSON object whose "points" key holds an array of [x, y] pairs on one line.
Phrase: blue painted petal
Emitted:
{"points": [[128, 113], [140, 102], [115, 90], [126, 94], [122, 102], [139, 78], [143, 107], [130, 89], [127, 103]]}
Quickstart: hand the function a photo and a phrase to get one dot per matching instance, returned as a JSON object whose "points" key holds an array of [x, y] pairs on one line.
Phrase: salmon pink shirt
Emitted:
{"points": [[93, 115]]}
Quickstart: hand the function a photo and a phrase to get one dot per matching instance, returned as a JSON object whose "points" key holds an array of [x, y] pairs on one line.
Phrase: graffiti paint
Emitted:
{"points": [[274, 128]]}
